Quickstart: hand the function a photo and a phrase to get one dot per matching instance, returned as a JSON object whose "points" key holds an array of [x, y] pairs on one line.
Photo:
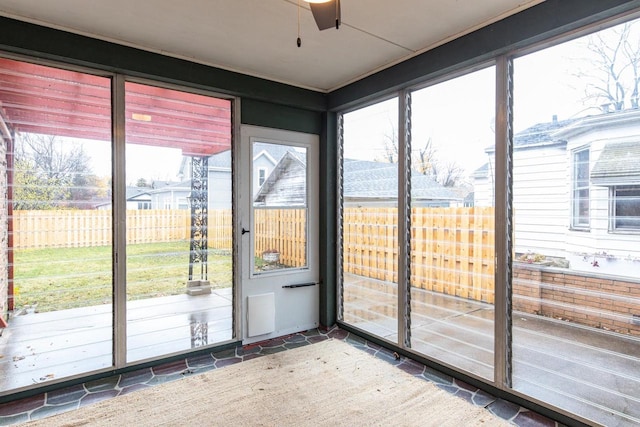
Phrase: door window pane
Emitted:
{"points": [[370, 219], [280, 209], [179, 265], [452, 222], [56, 284], [576, 156]]}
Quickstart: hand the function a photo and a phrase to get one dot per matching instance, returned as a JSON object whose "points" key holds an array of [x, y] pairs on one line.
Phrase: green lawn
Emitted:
{"points": [[60, 278]]}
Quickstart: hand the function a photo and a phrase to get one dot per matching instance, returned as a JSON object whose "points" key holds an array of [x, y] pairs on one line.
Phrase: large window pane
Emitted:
{"points": [[576, 285], [56, 287], [178, 221], [370, 219], [452, 222]]}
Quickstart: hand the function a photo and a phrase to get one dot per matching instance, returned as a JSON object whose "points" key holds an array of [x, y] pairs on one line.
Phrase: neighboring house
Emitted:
{"points": [[138, 198], [170, 195], [266, 156], [219, 174], [576, 186], [483, 184], [286, 185], [175, 195], [366, 183], [376, 184]]}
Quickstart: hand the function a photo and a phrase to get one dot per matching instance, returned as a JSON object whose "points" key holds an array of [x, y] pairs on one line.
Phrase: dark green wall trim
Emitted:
{"points": [[548, 19], [276, 116], [328, 219], [47, 43]]}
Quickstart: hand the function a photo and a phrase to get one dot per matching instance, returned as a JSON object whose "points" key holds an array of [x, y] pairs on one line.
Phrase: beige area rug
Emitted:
{"points": [[327, 384]]}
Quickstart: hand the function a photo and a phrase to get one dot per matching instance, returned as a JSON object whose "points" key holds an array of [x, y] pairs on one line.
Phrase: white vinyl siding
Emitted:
{"points": [[540, 200]]}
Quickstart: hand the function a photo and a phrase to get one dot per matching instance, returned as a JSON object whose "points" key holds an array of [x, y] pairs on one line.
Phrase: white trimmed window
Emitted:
{"points": [[262, 176], [580, 193], [625, 208]]}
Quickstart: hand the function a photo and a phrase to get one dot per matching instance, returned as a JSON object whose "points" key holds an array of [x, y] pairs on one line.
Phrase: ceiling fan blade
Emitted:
{"points": [[327, 15]]}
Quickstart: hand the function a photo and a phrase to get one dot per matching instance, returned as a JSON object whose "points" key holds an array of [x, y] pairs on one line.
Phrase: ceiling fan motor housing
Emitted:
{"points": [[327, 15]]}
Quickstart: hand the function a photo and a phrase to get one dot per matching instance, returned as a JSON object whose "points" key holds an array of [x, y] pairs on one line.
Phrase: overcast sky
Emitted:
{"points": [[458, 115]]}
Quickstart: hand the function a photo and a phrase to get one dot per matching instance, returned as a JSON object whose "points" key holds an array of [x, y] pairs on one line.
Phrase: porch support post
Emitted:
{"points": [[8, 138], [199, 201]]}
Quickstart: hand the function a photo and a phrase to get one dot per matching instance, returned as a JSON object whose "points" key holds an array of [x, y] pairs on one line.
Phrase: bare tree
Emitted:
{"points": [[425, 161], [448, 174], [611, 71], [50, 173], [390, 143], [424, 158]]}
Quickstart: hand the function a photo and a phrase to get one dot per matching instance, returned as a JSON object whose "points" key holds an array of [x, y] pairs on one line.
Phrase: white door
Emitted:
{"points": [[278, 229]]}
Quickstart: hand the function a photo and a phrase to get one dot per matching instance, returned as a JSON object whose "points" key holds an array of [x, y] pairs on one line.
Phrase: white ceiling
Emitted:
{"points": [[258, 37]]}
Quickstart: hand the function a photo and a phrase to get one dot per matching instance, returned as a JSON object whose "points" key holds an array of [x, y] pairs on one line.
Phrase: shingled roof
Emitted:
{"points": [[540, 132], [222, 160], [366, 179], [619, 161]]}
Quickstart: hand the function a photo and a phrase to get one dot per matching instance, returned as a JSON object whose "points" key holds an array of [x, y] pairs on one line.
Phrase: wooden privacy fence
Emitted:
{"points": [[81, 228], [220, 224], [452, 249], [283, 231]]}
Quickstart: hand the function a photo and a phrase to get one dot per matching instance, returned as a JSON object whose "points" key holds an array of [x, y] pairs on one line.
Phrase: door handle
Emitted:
{"points": [[299, 285], [244, 231]]}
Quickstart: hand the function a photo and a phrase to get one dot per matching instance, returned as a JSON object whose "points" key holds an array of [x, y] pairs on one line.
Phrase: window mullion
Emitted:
{"points": [[404, 219], [503, 221], [119, 224], [340, 219]]}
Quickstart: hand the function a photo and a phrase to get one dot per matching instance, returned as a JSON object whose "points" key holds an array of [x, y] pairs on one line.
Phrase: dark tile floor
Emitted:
{"points": [[74, 397]]}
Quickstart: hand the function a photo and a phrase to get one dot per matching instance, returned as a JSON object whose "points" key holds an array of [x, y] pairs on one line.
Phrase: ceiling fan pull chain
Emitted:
{"points": [[299, 40]]}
